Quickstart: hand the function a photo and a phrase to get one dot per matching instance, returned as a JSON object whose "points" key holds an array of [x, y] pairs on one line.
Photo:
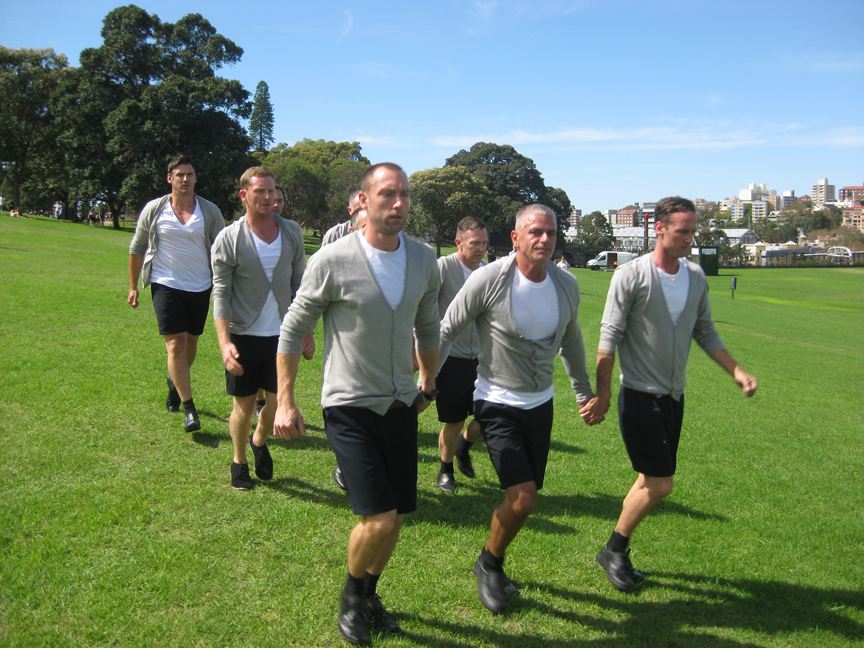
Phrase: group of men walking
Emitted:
{"points": [[484, 338]]}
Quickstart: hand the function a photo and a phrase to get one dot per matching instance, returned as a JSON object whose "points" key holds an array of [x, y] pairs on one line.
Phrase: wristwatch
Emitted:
{"points": [[430, 395]]}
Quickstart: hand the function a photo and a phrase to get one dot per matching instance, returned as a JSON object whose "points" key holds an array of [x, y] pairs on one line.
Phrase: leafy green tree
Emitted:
{"points": [[28, 126], [261, 122], [513, 181], [151, 91], [594, 233], [440, 198]]}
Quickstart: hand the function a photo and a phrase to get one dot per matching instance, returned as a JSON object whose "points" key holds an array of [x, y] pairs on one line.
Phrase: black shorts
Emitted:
{"points": [[377, 455], [455, 383], [517, 440], [258, 358], [180, 311], [651, 428]]}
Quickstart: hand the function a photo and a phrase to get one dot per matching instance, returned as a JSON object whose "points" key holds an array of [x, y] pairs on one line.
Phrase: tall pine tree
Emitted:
{"points": [[261, 122]]}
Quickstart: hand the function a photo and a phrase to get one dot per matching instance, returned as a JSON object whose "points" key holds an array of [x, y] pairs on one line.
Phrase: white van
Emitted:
{"points": [[609, 260]]}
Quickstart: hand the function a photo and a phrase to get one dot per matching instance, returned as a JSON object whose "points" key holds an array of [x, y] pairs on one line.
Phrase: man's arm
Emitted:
{"points": [[230, 354], [289, 422], [596, 408], [428, 361], [747, 382], [136, 262]]}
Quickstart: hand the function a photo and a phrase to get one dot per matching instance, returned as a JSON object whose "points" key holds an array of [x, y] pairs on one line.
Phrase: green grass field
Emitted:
{"points": [[119, 529]]}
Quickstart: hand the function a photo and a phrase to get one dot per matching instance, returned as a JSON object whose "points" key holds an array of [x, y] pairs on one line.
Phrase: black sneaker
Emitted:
{"points": [[352, 620], [240, 479], [463, 462], [263, 460], [379, 618], [491, 588], [193, 423], [509, 588], [339, 479], [446, 482], [619, 569], [172, 402]]}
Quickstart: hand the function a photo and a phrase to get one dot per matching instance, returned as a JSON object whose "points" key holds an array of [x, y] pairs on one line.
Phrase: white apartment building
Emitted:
{"points": [[822, 192]]}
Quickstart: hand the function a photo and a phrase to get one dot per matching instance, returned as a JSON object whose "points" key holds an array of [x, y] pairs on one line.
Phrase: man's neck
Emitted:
{"points": [[383, 242], [186, 202], [668, 264], [535, 272]]}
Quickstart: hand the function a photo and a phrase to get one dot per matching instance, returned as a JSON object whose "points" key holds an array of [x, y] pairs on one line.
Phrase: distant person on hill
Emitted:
{"points": [[656, 305], [258, 262], [170, 252]]}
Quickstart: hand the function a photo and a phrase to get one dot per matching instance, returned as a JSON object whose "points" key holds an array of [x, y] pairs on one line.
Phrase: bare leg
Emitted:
{"points": [[644, 494], [239, 425], [372, 542], [472, 432], [265, 420], [447, 440], [182, 349], [510, 516]]}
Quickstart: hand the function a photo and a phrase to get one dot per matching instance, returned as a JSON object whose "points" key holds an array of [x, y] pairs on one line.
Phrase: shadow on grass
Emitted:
{"points": [[299, 489], [706, 611], [429, 441]]}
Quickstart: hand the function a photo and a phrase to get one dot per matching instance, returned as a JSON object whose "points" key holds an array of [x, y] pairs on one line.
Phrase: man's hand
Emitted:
{"points": [[289, 423], [593, 411], [308, 349], [748, 383], [132, 299], [229, 358]]}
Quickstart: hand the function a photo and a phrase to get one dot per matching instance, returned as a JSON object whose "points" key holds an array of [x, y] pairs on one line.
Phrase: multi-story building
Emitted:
{"points": [[786, 199], [822, 192], [575, 217], [854, 217], [760, 209], [737, 208], [854, 195], [627, 218], [632, 239]]}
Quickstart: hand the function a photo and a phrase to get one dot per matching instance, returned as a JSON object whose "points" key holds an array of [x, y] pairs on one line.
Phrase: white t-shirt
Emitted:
{"points": [[536, 314], [268, 322], [181, 259], [675, 289], [388, 268]]}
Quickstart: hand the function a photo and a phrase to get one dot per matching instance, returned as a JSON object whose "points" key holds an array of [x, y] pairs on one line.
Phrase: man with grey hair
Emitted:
{"points": [[258, 262], [525, 311], [373, 281], [342, 229], [655, 307]]}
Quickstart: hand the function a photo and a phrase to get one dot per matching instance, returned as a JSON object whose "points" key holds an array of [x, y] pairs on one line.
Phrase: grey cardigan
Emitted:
{"points": [[506, 358], [240, 285], [467, 346], [145, 242], [652, 350], [367, 345]]}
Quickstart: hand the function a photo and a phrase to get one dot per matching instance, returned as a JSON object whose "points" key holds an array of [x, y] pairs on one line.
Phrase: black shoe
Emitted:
{"points": [[263, 460], [379, 618], [491, 588], [463, 462], [339, 480], [259, 405], [446, 482], [619, 569], [172, 402], [509, 588], [352, 619], [192, 422], [240, 478]]}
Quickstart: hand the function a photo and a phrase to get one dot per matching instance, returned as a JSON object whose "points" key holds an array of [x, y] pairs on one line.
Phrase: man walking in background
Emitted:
{"points": [[170, 252]]}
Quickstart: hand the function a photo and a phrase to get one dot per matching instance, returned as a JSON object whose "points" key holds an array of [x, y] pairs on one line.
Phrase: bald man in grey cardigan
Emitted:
{"points": [[376, 290], [525, 312]]}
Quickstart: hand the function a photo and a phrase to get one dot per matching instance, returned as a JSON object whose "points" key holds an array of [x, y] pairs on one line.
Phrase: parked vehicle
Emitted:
{"points": [[610, 260]]}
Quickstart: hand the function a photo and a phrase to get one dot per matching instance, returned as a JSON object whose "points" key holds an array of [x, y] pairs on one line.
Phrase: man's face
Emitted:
{"points": [[278, 202], [259, 196], [472, 246], [535, 237], [182, 179], [676, 237], [387, 201]]}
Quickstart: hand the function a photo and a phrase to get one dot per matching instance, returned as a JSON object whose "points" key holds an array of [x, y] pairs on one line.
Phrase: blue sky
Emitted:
{"points": [[615, 102]]}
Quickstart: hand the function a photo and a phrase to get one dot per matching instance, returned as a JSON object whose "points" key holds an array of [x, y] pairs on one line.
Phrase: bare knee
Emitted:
{"points": [[658, 487], [381, 525], [522, 501]]}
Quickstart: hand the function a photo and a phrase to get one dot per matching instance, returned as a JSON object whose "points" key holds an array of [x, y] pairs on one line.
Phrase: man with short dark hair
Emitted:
{"points": [[456, 379], [374, 289], [525, 311], [170, 251], [656, 305], [343, 229], [258, 262]]}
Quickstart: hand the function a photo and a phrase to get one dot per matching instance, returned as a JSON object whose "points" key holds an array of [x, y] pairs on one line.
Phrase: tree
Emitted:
{"points": [[261, 122], [513, 181], [440, 198], [149, 92], [28, 80], [595, 233]]}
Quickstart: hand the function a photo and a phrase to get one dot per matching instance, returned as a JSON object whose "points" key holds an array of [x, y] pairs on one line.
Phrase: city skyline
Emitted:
{"points": [[615, 102]]}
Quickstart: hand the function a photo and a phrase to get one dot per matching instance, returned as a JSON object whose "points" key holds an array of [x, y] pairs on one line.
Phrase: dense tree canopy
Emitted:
{"points": [[595, 233], [261, 122], [28, 131], [513, 180], [151, 91]]}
